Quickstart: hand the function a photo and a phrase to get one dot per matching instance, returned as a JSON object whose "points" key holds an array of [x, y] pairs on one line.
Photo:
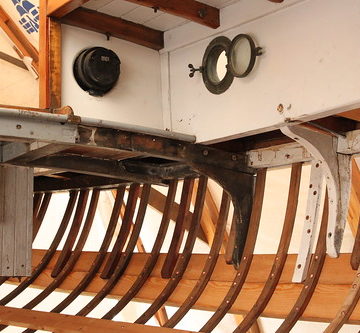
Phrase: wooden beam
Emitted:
{"points": [[18, 38], [352, 114], [326, 301], [54, 63], [354, 204], [12, 60], [60, 323], [44, 66], [188, 9], [61, 8], [115, 27]]}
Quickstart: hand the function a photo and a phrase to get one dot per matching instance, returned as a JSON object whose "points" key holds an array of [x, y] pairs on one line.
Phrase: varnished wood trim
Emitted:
{"points": [[115, 27]]}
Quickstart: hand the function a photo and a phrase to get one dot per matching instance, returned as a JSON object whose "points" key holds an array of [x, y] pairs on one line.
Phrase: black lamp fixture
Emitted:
{"points": [[96, 70], [240, 54]]}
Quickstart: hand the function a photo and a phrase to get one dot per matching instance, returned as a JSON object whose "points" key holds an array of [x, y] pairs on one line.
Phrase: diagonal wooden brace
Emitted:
{"points": [[337, 170]]}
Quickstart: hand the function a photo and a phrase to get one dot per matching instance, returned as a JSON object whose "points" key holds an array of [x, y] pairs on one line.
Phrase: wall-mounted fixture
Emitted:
{"points": [[96, 70], [225, 59]]}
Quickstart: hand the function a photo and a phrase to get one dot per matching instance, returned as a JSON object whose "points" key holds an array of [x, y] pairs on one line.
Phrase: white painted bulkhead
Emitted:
{"points": [[136, 98], [310, 66]]}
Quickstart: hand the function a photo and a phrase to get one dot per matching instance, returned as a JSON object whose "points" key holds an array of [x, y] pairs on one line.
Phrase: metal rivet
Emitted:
{"points": [[205, 152], [18, 126], [299, 266], [280, 108], [202, 12]]}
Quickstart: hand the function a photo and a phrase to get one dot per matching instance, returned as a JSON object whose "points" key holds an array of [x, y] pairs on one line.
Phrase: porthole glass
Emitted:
{"points": [[242, 55], [221, 65]]}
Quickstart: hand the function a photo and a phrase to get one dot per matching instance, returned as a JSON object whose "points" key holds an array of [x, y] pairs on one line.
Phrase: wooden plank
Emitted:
{"points": [[18, 38], [331, 290], [44, 72], [352, 114], [60, 8], [16, 212], [54, 63], [60, 323], [115, 27], [188, 9], [258, 273]]}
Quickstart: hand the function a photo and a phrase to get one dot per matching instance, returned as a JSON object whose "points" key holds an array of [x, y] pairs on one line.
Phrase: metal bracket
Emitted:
{"points": [[337, 170]]}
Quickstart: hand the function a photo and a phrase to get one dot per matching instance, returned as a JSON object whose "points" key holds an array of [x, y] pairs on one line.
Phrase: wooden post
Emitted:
{"points": [[16, 191]]}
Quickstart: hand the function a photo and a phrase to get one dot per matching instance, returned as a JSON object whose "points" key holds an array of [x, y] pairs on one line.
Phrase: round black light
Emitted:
{"points": [[210, 66], [242, 55], [97, 70]]}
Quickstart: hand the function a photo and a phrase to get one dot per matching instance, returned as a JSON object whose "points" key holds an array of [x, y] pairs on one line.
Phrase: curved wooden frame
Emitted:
{"points": [[116, 262]]}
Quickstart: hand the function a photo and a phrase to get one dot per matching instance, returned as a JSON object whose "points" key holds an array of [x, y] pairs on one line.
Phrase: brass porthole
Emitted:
{"points": [[224, 59], [218, 48]]}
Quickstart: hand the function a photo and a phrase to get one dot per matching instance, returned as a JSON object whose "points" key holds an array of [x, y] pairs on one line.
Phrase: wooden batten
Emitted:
{"points": [[16, 188]]}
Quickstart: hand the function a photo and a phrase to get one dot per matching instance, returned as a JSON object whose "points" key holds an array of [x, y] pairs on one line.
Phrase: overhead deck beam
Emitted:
{"points": [[188, 9], [61, 8], [115, 27]]}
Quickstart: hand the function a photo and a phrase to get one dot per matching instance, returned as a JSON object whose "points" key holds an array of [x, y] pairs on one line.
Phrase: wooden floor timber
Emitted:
{"points": [[331, 290], [60, 323]]}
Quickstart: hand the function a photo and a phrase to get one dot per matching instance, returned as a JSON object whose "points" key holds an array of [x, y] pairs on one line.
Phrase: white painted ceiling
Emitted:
{"points": [[144, 15]]}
